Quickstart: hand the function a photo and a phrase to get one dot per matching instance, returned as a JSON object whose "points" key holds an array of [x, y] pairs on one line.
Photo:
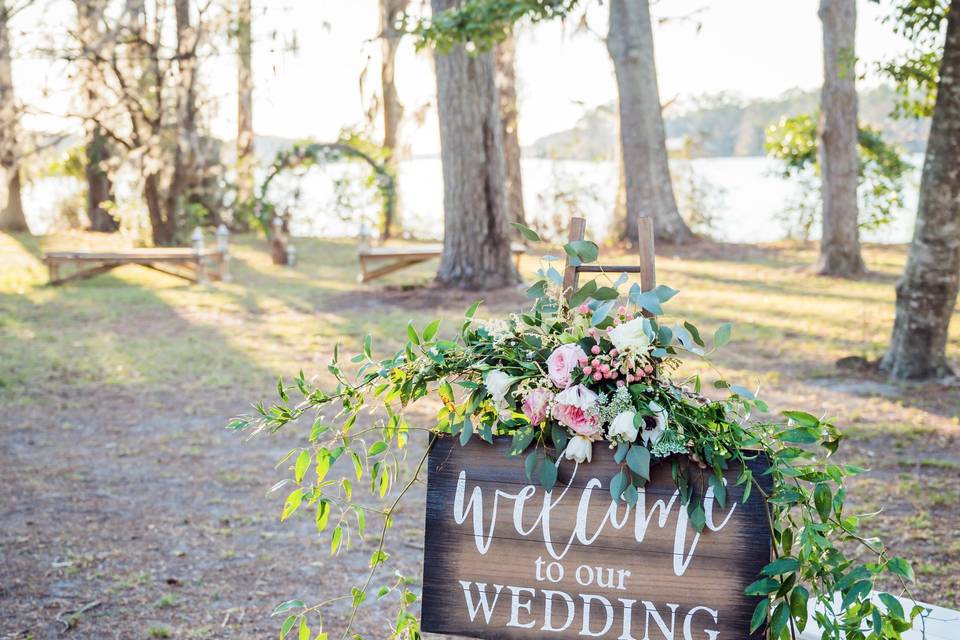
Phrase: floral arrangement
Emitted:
{"points": [[595, 365]]}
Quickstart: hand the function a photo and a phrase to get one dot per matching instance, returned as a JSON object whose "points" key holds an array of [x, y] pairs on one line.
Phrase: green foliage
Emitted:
{"points": [[917, 72], [794, 142], [70, 164], [481, 24]]}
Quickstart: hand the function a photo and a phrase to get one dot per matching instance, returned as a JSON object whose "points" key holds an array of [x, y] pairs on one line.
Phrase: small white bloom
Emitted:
{"points": [[623, 427], [497, 383], [630, 336], [577, 396], [652, 432], [579, 449]]}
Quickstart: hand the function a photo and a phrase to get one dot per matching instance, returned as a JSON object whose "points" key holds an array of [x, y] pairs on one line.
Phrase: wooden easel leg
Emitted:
{"points": [[648, 264], [570, 277]]}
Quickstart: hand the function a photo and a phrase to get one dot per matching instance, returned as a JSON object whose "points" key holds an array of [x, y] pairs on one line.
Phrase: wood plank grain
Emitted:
{"points": [[503, 559]]}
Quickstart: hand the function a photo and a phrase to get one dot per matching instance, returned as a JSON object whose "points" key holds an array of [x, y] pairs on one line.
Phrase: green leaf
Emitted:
{"points": [[663, 292], [900, 567], [798, 605], [580, 295], [292, 503], [377, 448], [585, 250], [287, 625], [472, 311], [779, 619], [601, 312], [722, 335], [780, 566], [606, 293], [800, 435], [301, 466], [759, 614], [719, 489], [336, 539], [467, 432], [304, 632], [892, 604], [368, 346], [645, 300], [823, 499], [695, 333], [528, 234], [287, 606], [431, 330], [803, 419], [698, 518], [538, 290], [638, 459], [762, 587], [530, 464], [357, 464], [559, 437], [548, 474], [617, 484], [412, 334]]}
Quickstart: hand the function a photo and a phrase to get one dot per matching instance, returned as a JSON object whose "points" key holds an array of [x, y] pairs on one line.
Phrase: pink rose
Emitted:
{"points": [[562, 362], [576, 409], [535, 405]]}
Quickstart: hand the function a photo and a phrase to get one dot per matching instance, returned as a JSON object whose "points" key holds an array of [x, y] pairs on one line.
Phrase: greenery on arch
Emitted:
{"points": [[351, 146]]}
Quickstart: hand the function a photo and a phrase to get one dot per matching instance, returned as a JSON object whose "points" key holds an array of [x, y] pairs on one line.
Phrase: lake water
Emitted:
{"points": [[744, 197]]}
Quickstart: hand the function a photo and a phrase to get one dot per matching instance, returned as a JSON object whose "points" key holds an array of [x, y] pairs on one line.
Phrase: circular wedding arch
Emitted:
{"points": [[320, 153]]}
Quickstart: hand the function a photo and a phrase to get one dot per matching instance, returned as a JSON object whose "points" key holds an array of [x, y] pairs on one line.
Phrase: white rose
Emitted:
{"points": [[623, 426], [630, 336], [579, 449], [651, 433], [497, 383]]}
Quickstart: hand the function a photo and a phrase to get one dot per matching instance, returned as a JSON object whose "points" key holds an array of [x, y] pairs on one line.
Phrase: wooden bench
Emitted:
{"points": [[197, 264], [376, 262]]}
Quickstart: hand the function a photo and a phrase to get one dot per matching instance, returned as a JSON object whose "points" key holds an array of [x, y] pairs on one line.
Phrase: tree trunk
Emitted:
{"points": [[163, 229], [99, 185], [390, 13], [96, 151], [927, 291], [12, 217], [246, 158], [839, 160], [642, 136], [476, 237], [505, 53]]}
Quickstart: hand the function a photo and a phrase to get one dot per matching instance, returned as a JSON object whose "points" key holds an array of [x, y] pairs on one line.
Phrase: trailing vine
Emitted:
{"points": [[598, 367]]}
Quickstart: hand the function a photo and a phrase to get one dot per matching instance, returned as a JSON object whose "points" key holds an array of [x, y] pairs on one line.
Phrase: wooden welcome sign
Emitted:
{"points": [[505, 559]]}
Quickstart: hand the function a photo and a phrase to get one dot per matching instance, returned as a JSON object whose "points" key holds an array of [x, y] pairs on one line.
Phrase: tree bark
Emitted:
{"points": [[12, 217], [927, 291], [839, 159], [99, 185], [390, 13], [505, 53], [642, 136], [246, 158], [476, 237], [96, 148]]}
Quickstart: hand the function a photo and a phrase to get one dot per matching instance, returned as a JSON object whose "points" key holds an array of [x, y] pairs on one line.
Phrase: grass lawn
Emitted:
{"points": [[120, 487]]}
